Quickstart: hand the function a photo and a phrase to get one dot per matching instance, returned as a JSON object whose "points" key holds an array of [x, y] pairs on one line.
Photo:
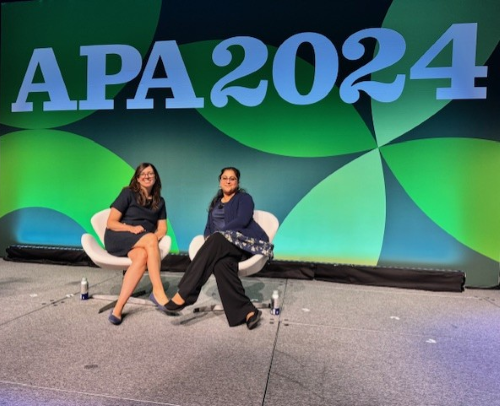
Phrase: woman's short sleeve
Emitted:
{"points": [[162, 213], [122, 202]]}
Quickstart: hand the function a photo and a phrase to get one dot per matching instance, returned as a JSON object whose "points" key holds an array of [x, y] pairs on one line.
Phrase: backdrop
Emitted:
{"points": [[369, 128]]}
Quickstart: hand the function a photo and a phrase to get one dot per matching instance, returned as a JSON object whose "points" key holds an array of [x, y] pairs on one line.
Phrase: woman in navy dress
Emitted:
{"points": [[136, 223]]}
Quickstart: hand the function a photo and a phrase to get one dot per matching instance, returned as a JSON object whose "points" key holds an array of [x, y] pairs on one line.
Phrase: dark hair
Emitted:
{"points": [[218, 195], [136, 187]]}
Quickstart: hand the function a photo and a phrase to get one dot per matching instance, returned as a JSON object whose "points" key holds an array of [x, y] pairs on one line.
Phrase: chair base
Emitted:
{"points": [[134, 299], [218, 307]]}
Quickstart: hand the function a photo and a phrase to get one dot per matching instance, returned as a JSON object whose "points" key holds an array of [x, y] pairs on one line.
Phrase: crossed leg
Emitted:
{"points": [[144, 255]]}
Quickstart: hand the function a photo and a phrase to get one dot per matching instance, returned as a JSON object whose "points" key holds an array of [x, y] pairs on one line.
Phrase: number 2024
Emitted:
{"points": [[391, 48]]}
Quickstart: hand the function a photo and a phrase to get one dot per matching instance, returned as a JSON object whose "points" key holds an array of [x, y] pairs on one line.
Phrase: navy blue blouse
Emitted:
{"points": [[238, 216], [134, 214]]}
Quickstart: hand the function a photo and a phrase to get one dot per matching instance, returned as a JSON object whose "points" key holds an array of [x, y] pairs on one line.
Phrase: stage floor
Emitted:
{"points": [[333, 344]]}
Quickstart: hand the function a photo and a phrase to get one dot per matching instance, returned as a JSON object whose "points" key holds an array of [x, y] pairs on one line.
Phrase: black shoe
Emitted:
{"points": [[161, 307], [254, 319], [174, 307]]}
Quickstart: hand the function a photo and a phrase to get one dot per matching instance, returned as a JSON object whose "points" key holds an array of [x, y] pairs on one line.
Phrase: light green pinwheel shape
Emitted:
{"points": [[327, 128], [341, 220], [456, 182], [61, 171], [65, 26], [422, 23]]}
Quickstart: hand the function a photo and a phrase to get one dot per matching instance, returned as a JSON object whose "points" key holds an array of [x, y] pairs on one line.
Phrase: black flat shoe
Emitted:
{"points": [[161, 307], [174, 307], [254, 319]]}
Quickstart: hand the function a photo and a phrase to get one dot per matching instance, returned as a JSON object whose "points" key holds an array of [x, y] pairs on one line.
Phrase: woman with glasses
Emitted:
{"points": [[137, 221], [231, 235]]}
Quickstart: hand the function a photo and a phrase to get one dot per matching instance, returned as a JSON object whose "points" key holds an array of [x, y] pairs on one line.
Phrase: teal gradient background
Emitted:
{"points": [[410, 183]]}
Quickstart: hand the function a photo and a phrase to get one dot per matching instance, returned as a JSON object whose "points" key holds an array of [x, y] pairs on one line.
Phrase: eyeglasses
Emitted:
{"points": [[147, 175], [230, 179]]}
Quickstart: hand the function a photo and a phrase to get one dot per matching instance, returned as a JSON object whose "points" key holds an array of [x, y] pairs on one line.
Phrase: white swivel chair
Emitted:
{"points": [[255, 263], [105, 260]]}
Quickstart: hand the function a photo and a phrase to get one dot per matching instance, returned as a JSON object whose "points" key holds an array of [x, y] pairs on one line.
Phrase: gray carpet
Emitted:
{"points": [[333, 344]]}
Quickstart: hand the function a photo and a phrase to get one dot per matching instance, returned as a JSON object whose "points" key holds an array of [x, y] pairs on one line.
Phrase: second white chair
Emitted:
{"points": [[255, 263]]}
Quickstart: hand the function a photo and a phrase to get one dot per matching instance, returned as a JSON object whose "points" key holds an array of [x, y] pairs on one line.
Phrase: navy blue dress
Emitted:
{"points": [[119, 243]]}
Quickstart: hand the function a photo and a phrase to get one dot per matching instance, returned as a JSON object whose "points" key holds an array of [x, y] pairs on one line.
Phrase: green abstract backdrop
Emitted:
{"points": [[370, 129]]}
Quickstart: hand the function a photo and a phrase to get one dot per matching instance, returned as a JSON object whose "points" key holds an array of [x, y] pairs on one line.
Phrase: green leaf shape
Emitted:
{"points": [[340, 220], [65, 26], [456, 182], [61, 171], [422, 23], [326, 128]]}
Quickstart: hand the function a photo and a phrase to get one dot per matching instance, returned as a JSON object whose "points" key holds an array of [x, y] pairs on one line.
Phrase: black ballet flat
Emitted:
{"points": [[163, 308], [174, 307], [254, 319]]}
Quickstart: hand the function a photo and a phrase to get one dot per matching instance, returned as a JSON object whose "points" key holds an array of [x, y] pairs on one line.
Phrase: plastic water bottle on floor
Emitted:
{"points": [[275, 303], [84, 289]]}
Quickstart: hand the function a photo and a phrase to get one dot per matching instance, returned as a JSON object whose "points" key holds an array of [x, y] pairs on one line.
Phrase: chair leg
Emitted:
{"points": [[208, 309], [114, 298], [107, 307], [218, 307], [260, 305], [133, 300]]}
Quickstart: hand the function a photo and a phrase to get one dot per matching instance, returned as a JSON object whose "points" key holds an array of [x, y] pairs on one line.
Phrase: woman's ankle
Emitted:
{"points": [[177, 299], [160, 296]]}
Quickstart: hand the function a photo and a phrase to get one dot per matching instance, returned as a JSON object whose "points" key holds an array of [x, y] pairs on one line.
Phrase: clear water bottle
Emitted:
{"points": [[84, 289], [275, 303]]}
